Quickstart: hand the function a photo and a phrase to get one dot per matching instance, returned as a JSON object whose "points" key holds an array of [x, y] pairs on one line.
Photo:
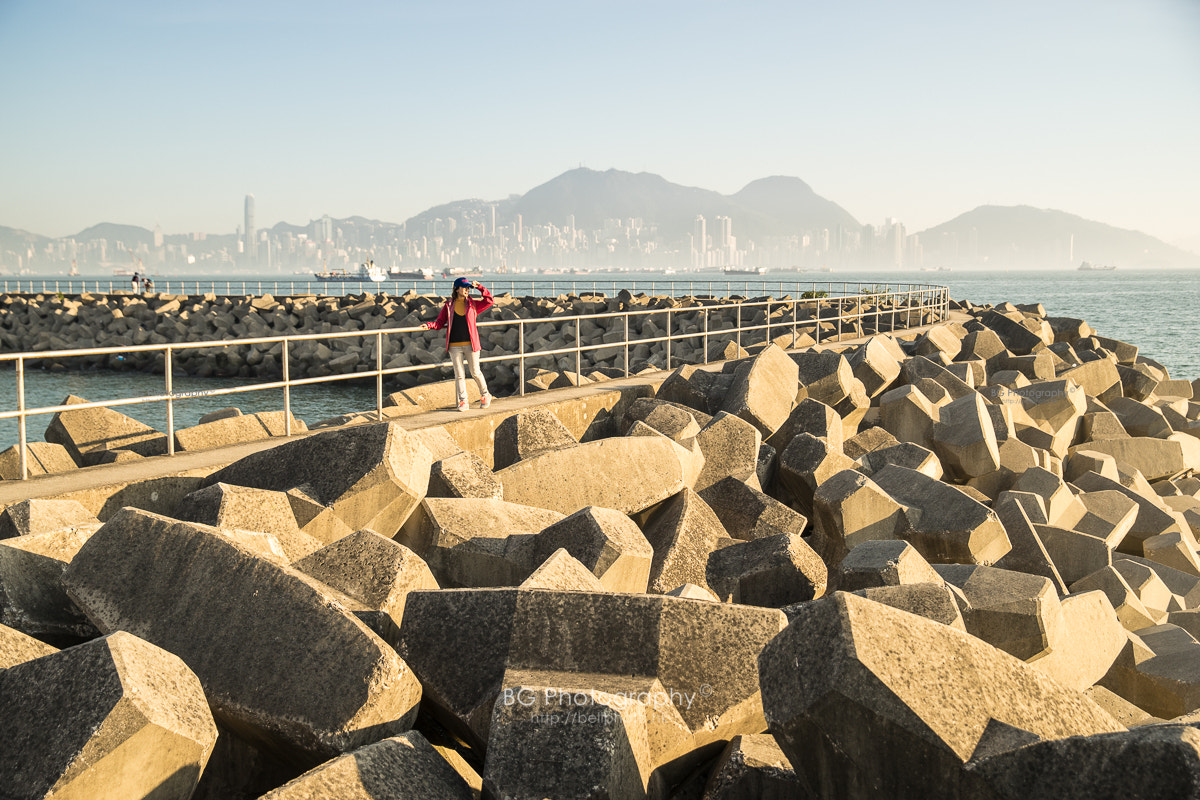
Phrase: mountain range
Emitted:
{"points": [[776, 206]]}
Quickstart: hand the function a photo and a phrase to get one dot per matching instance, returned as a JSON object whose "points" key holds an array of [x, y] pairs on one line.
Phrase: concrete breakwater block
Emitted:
{"points": [[368, 476], [1008, 615], [115, 717], [279, 657]]}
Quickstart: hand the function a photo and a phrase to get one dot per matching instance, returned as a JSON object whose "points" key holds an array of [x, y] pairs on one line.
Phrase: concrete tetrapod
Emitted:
{"points": [[626, 473], [279, 657], [371, 476], [396, 768], [467, 645], [115, 717], [932, 697]]}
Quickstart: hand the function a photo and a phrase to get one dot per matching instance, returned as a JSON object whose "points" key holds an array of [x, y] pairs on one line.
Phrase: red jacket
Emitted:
{"points": [[474, 309]]}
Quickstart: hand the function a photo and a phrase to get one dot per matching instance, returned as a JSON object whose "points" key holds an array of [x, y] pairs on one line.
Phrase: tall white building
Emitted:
{"points": [[251, 236], [700, 243]]}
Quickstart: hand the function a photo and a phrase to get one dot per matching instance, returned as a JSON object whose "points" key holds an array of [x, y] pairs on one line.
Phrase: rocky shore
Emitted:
{"points": [[50, 322], [959, 563]]}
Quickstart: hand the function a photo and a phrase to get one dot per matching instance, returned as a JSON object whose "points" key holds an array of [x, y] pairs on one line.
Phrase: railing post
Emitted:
{"points": [[578, 352], [521, 357], [705, 338], [668, 338], [287, 392], [24, 462], [625, 364], [379, 375], [167, 368]]}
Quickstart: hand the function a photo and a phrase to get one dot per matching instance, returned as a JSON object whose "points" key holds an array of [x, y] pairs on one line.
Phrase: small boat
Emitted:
{"points": [[1087, 266], [366, 272]]}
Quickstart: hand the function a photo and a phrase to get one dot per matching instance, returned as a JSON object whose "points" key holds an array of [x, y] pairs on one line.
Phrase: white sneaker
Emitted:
{"points": [[462, 406], [485, 401]]}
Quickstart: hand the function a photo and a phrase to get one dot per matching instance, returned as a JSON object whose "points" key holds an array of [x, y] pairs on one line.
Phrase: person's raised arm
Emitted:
{"points": [[487, 300]]}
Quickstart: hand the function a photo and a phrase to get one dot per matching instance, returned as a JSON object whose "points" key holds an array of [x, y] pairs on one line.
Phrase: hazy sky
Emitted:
{"points": [[145, 112]]}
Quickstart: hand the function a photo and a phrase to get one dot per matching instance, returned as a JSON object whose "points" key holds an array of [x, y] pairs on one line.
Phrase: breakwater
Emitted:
{"points": [[693, 590], [645, 331]]}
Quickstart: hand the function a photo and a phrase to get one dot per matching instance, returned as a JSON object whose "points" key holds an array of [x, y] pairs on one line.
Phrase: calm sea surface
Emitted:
{"points": [[1158, 310]]}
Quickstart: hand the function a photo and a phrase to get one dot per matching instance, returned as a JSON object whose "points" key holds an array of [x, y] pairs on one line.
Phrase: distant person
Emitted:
{"points": [[148, 283], [457, 316], [137, 282]]}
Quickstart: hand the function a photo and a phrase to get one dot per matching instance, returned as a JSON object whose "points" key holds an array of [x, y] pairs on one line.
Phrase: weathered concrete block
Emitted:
{"points": [[883, 563], [944, 524], [1151, 761], [232, 430], [370, 476], [1130, 610], [806, 464], [604, 540], [562, 572], [269, 664], [809, 416], [964, 438], [1158, 671], [674, 421], [527, 433], [689, 386], [375, 571], [468, 645], [88, 432], [1028, 553], [752, 766], [463, 475], [17, 648], [1154, 458], [592, 745], [850, 509], [1015, 336], [628, 474], [820, 680], [934, 601], [826, 375], [772, 572], [35, 601], [683, 532], [224, 505], [730, 446], [115, 717], [41, 458], [1139, 419], [1090, 639], [44, 515], [867, 441], [906, 454], [396, 767], [876, 364], [764, 390], [470, 541], [908, 415], [747, 514], [1017, 613]]}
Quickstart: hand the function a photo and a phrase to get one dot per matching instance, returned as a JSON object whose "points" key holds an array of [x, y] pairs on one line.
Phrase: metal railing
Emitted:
{"points": [[883, 306], [719, 287]]}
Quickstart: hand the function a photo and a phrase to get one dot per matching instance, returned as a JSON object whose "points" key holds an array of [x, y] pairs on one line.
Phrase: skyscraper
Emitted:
{"points": [[251, 231], [701, 242]]}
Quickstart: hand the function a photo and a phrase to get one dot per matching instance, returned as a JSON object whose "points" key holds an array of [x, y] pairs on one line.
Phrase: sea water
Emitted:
{"points": [[1158, 310]]}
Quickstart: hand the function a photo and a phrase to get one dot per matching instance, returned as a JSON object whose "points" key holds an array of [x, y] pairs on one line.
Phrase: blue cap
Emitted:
{"points": [[462, 282]]}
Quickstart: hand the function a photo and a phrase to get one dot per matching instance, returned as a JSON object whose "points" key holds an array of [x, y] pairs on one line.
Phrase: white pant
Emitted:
{"points": [[460, 357]]}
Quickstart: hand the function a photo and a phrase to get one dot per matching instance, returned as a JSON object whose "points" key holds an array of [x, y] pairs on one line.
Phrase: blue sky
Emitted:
{"points": [[140, 112]]}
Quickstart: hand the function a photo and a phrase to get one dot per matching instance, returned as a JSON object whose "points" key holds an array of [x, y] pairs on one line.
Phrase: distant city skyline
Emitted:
{"points": [[138, 113]]}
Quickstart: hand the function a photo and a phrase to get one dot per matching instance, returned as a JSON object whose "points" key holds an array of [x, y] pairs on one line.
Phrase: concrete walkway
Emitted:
{"points": [[204, 462]]}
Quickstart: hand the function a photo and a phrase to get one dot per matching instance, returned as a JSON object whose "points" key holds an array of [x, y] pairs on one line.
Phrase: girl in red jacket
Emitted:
{"points": [[462, 337]]}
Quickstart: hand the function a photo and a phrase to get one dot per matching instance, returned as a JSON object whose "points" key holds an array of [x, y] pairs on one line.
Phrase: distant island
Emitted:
{"points": [[594, 219]]}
